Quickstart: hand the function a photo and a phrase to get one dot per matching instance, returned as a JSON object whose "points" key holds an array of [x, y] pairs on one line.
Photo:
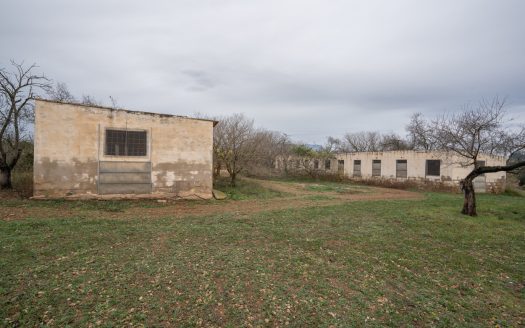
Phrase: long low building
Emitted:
{"points": [[433, 166], [420, 165]]}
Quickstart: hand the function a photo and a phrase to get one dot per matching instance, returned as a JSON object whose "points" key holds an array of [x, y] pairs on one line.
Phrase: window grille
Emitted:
{"points": [[126, 143]]}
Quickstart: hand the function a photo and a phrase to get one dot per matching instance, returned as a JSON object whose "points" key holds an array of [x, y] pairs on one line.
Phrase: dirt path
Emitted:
{"points": [[352, 192], [298, 195]]}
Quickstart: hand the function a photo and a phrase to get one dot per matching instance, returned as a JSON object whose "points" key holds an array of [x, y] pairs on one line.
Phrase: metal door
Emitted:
{"points": [[124, 178]]}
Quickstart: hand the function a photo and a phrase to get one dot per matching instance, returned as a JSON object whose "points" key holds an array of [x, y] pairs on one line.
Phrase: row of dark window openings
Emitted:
{"points": [[432, 168], [126, 143]]}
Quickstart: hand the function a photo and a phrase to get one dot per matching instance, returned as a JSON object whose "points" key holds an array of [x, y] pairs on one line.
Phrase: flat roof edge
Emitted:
{"points": [[124, 110]]}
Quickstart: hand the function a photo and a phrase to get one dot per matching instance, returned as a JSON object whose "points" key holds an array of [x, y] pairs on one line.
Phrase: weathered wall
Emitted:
{"points": [[70, 139], [451, 170]]}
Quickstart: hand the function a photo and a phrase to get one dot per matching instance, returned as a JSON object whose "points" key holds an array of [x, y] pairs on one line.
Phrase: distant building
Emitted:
{"points": [[433, 166], [92, 151]]}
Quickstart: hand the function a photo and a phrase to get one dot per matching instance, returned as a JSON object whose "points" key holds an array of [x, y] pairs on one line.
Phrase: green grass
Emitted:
{"points": [[514, 192], [395, 263], [342, 188], [245, 189], [87, 205]]}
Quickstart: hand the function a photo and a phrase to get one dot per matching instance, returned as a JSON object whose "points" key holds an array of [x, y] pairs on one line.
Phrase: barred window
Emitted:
{"points": [[433, 167], [126, 143]]}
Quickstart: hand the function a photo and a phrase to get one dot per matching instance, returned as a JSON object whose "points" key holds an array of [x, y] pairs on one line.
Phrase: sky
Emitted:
{"points": [[310, 69]]}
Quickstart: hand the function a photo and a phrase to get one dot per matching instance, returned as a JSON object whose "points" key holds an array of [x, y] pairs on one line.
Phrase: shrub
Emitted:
{"points": [[23, 183]]}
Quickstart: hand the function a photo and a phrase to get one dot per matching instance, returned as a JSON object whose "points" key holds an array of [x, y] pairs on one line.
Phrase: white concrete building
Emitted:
{"points": [[412, 165], [420, 165]]}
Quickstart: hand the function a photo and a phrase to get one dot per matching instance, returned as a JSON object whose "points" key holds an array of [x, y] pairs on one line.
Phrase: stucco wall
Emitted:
{"points": [[451, 169], [69, 144]]}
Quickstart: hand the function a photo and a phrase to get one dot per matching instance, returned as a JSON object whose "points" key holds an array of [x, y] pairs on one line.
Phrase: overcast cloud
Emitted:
{"points": [[307, 68]]}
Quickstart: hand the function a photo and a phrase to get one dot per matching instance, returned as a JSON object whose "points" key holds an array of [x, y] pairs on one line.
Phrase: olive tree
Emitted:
{"points": [[476, 130]]}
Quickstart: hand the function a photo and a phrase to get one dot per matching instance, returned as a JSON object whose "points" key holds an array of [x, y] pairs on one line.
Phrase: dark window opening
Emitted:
{"points": [[327, 164], [126, 143], [357, 167], [401, 168], [376, 168], [316, 164], [433, 167]]}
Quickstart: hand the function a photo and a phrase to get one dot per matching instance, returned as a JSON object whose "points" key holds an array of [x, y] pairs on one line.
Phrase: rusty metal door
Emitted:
{"points": [[124, 177]]}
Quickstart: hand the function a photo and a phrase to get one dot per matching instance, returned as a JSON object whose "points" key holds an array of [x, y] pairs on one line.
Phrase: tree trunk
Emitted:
{"points": [[469, 203], [233, 177], [5, 179], [217, 172]]}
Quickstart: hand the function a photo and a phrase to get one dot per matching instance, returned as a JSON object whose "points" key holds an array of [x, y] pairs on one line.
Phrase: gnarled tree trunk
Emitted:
{"points": [[469, 203], [467, 185]]}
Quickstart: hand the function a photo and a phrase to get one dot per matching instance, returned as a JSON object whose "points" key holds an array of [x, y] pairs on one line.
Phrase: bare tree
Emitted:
{"points": [[61, 93], [372, 141], [272, 145], [90, 100], [17, 89], [236, 144], [363, 141], [392, 141], [482, 129], [420, 134], [333, 145]]}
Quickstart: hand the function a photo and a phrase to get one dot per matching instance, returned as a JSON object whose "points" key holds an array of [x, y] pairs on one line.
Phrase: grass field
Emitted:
{"points": [[394, 262]]}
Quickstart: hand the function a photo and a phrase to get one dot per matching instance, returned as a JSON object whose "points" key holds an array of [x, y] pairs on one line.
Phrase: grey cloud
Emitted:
{"points": [[309, 68], [201, 80]]}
